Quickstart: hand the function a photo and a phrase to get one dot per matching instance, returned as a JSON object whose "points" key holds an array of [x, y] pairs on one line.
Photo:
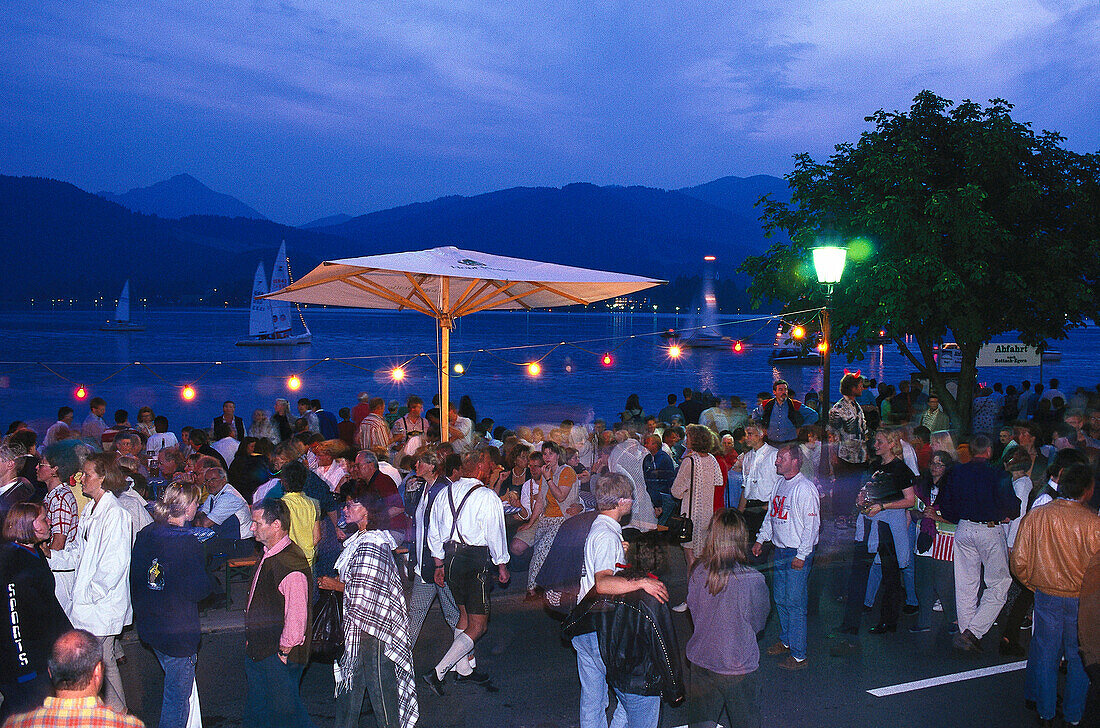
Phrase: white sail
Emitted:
{"points": [[122, 311], [259, 316], [281, 311]]}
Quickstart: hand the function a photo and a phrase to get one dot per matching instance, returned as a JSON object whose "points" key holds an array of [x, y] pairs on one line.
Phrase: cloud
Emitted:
{"points": [[436, 96]]}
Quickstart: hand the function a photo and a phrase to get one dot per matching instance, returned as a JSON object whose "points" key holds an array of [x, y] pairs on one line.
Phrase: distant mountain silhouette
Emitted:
{"points": [[739, 194], [75, 244], [181, 196], [78, 245], [637, 230], [326, 221]]}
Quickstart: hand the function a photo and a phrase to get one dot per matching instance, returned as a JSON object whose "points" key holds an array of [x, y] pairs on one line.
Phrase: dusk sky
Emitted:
{"points": [[304, 109]]}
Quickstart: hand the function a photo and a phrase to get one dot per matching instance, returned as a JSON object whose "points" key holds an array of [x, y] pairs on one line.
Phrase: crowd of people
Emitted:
{"points": [[385, 509]]}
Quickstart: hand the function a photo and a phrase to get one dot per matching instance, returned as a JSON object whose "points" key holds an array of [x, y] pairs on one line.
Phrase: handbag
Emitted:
{"points": [[680, 528], [327, 640], [882, 488]]}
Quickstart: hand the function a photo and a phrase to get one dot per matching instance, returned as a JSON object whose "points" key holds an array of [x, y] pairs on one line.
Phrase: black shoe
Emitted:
{"points": [[910, 609], [867, 609], [1007, 648], [883, 628], [1031, 705], [432, 681], [476, 676]]}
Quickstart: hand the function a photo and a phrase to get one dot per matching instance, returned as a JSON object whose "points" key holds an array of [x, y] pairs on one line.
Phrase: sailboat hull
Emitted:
{"points": [[268, 341], [121, 326]]}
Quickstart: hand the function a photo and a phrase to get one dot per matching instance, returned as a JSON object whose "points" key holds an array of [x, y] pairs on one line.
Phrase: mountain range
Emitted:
{"points": [[182, 196], [74, 244]]}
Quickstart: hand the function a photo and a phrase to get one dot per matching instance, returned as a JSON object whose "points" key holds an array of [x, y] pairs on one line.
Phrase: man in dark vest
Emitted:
{"points": [[781, 415], [277, 624]]}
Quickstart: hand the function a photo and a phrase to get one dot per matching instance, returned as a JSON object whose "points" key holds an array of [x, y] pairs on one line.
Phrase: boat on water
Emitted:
{"points": [[121, 321], [270, 323], [794, 351], [705, 333], [795, 355]]}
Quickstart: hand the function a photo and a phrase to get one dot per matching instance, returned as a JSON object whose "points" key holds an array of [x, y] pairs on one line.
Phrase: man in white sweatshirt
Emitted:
{"points": [[792, 525]]}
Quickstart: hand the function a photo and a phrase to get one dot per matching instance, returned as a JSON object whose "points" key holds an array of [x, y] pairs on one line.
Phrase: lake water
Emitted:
{"points": [[179, 347]]}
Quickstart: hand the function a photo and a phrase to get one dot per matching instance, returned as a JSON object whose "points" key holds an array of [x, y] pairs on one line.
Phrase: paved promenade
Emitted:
{"points": [[538, 686]]}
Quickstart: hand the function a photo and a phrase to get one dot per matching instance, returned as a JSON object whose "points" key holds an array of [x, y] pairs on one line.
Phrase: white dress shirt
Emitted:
{"points": [[229, 502], [480, 522], [760, 477]]}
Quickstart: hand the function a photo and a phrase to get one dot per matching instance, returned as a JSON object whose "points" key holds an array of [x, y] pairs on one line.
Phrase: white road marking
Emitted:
{"points": [[945, 679]]}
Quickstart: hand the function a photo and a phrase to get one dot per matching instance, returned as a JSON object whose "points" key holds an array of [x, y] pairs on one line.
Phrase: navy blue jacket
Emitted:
{"points": [[167, 581], [978, 492], [326, 422]]}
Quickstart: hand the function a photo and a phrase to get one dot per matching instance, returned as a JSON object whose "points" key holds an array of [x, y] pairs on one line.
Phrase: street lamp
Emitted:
{"points": [[829, 264]]}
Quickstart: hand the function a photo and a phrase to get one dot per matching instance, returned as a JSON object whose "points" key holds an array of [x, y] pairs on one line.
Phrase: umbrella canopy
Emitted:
{"points": [[445, 283]]}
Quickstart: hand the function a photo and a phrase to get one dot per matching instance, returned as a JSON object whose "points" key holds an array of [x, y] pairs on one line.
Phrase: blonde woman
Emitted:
{"points": [[729, 605], [167, 582], [698, 483], [882, 528]]}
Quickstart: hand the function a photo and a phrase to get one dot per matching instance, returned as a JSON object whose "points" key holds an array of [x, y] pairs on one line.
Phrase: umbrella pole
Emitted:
{"points": [[444, 381], [445, 323]]}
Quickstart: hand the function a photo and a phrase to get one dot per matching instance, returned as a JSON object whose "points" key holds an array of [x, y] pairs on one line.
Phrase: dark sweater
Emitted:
{"points": [[977, 492], [29, 602], [167, 581]]}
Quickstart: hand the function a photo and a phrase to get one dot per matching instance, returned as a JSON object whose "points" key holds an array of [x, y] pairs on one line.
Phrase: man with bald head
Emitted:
{"points": [[76, 671]]}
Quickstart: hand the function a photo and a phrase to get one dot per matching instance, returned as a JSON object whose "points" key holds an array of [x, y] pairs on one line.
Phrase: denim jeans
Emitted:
{"points": [[642, 711], [273, 697], [375, 675], [791, 595], [179, 677], [735, 483], [1055, 637], [593, 675], [935, 580], [710, 694]]}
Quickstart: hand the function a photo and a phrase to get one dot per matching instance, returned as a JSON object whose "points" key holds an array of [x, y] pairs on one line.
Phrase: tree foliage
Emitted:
{"points": [[961, 223]]}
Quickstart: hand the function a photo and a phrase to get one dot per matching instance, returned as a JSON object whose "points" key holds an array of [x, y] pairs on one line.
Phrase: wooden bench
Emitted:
{"points": [[238, 569]]}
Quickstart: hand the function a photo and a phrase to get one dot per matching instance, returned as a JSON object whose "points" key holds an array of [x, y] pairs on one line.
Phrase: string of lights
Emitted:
{"points": [[398, 373]]}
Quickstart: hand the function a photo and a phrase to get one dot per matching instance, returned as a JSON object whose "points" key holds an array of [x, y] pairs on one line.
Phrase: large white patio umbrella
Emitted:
{"points": [[446, 283]]}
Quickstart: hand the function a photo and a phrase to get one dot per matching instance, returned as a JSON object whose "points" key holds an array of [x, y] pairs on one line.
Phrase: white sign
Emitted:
{"points": [[949, 358], [1009, 355]]}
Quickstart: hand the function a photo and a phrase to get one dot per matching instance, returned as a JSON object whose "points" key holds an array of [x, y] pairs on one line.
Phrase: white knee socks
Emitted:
{"points": [[458, 650]]}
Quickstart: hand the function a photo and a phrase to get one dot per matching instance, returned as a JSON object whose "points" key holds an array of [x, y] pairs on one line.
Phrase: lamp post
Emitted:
{"points": [[829, 264]]}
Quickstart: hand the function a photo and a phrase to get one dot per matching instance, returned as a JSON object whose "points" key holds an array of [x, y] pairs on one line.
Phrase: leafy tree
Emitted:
{"points": [[963, 224]]}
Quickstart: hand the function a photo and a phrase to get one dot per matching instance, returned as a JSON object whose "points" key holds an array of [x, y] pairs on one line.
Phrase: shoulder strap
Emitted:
{"points": [[455, 512], [691, 487]]}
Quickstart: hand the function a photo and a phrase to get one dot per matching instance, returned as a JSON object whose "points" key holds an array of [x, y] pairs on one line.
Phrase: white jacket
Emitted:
{"points": [[101, 594], [794, 517]]}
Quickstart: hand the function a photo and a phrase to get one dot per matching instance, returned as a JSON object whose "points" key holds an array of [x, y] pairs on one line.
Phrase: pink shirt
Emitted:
{"points": [[295, 590]]}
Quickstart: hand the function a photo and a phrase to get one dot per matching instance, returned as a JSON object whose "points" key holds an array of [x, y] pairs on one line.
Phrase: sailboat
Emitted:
{"points": [[705, 334], [269, 322], [121, 321]]}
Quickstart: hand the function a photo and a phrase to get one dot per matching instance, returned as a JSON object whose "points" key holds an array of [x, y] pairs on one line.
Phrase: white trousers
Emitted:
{"points": [[977, 546]]}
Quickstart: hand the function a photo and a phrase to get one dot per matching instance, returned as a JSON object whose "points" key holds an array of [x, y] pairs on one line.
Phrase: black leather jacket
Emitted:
{"points": [[637, 642]]}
